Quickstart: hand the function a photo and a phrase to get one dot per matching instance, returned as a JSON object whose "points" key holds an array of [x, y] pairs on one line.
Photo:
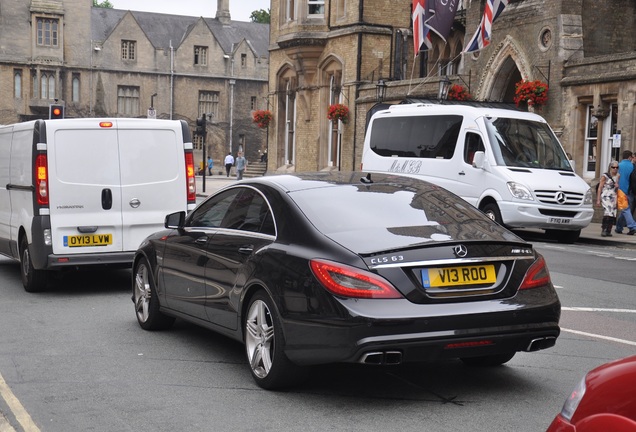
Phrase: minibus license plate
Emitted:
{"points": [[88, 240], [452, 276], [558, 220]]}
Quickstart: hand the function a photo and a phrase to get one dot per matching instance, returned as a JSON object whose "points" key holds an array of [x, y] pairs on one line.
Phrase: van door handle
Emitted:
{"points": [[462, 173], [107, 199]]}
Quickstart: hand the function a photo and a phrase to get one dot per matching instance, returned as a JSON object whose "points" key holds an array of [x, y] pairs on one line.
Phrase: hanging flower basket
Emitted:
{"points": [[458, 93], [338, 112], [262, 118], [534, 93]]}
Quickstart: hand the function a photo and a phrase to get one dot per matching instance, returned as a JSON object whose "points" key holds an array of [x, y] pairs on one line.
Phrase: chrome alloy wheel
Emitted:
{"points": [[143, 292], [259, 338]]}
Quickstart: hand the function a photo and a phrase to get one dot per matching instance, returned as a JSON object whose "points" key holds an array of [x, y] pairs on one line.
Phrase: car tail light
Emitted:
{"points": [[191, 182], [537, 275], [572, 402], [346, 281], [42, 180]]}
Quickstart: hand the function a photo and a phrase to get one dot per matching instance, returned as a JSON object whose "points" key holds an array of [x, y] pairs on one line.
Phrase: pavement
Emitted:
{"points": [[590, 235]]}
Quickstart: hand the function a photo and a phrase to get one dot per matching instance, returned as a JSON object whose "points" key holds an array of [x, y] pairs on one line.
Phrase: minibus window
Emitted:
{"points": [[525, 143]]}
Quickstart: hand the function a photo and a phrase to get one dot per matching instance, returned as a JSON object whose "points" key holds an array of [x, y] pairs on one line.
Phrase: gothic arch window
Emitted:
{"points": [[331, 148], [17, 84], [286, 121]]}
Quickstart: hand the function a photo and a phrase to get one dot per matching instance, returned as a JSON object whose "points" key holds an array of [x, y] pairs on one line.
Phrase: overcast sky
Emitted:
{"points": [[240, 10]]}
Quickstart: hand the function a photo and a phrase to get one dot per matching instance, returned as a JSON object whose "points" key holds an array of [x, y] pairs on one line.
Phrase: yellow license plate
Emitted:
{"points": [[452, 276], [88, 240]]}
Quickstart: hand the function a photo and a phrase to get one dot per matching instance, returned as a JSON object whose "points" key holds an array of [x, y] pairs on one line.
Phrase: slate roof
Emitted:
{"points": [[161, 29]]}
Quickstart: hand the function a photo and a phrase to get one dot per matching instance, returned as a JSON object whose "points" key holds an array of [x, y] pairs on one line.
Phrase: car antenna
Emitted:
{"points": [[366, 179]]}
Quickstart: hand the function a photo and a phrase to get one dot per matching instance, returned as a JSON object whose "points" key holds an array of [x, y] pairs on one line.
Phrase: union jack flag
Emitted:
{"points": [[421, 33], [481, 38]]}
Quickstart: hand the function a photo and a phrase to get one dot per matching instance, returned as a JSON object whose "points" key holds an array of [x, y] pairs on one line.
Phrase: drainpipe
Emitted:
{"points": [[171, 79], [232, 82]]}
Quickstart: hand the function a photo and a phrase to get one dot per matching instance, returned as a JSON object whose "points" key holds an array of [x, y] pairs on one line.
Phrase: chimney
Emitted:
{"points": [[223, 11]]}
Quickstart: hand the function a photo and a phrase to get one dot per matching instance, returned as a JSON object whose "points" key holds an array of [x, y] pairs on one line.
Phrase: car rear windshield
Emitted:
{"points": [[366, 207]]}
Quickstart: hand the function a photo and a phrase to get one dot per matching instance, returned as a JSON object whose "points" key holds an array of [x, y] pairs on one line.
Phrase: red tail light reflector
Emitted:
{"points": [[473, 344], [537, 275], [42, 180], [346, 281], [190, 180]]}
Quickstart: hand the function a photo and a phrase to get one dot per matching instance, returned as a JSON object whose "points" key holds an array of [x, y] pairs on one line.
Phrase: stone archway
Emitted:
{"points": [[510, 66]]}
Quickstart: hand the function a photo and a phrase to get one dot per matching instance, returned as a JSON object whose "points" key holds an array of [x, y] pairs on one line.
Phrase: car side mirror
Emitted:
{"points": [[478, 159], [175, 220]]}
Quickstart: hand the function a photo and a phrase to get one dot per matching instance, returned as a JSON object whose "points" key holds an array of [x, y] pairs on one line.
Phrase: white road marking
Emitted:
{"points": [[589, 309], [592, 335], [21, 415]]}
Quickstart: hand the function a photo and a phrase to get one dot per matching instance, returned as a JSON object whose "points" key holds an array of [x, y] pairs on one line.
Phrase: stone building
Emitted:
{"points": [[336, 51], [101, 62]]}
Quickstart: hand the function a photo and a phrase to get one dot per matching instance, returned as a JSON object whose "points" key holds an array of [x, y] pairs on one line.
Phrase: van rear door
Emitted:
{"points": [[153, 176]]}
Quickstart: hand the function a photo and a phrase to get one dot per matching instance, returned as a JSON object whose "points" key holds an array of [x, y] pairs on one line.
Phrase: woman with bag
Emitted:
{"points": [[608, 187]]}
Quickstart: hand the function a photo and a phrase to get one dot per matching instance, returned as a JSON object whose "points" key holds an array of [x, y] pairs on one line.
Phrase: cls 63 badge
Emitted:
{"points": [[387, 259]]}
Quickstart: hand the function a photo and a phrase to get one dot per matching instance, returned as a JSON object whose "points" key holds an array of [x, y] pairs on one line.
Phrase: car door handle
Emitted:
{"points": [[246, 250], [462, 173], [201, 240]]}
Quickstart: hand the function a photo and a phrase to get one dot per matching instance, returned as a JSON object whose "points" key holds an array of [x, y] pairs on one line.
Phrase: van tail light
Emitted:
{"points": [[42, 180], [190, 180], [345, 281], [537, 275]]}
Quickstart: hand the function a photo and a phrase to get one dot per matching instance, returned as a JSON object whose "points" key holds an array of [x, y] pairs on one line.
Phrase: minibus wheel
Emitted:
{"points": [[492, 211]]}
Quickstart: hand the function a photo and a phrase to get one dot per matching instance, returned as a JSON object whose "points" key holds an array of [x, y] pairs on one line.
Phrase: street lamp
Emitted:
{"points": [[444, 85], [380, 90]]}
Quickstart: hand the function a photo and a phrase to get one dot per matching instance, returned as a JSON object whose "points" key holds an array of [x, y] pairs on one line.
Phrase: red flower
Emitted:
{"points": [[533, 92], [262, 118], [458, 93], [338, 112]]}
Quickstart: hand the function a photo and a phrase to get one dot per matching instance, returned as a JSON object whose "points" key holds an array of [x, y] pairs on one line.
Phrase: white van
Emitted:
{"points": [[507, 163], [83, 192]]}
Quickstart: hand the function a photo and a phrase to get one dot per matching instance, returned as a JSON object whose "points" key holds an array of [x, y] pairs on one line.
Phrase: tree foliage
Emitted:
{"points": [[259, 16], [103, 4]]}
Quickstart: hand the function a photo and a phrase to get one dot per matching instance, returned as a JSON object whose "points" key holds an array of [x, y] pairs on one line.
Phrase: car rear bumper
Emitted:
{"points": [[439, 331]]}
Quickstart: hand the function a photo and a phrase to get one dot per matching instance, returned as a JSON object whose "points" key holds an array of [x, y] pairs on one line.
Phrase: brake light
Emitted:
{"points": [[537, 275], [346, 281], [191, 184], [42, 180]]}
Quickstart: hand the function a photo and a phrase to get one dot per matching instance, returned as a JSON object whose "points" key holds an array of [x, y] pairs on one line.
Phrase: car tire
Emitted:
{"points": [[146, 299], [563, 236], [489, 360], [33, 280], [270, 367], [492, 211]]}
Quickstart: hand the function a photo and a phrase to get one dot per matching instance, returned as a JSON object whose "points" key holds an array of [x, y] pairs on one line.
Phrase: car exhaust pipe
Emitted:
{"points": [[541, 343], [378, 358]]}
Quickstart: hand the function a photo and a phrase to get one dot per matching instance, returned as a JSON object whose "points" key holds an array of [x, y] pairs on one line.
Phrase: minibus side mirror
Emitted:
{"points": [[478, 159]]}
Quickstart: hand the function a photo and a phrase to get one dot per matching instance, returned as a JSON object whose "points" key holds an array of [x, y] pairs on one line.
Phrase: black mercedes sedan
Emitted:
{"points": [[319, 268]]}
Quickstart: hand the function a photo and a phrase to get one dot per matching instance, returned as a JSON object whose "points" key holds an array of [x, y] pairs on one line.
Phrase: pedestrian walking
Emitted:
{"points": [[625, 217], [229, 161], [210, 165], [606, 197], [241, 163]]}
